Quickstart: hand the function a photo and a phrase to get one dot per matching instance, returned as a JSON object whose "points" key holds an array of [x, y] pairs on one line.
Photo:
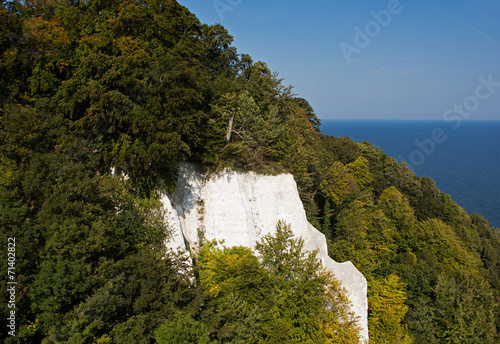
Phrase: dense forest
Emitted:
{"points": [[92, 91]]}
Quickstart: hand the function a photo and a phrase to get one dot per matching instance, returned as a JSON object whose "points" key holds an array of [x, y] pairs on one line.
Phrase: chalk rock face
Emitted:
{"points": [[241, 208]]}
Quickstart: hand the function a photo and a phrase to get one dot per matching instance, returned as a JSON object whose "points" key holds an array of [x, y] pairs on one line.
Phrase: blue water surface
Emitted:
{"points": [[462, 158]]}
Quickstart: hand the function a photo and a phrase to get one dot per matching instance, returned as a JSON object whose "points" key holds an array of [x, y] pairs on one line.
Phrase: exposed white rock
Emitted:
{"points": [[241, 208]]}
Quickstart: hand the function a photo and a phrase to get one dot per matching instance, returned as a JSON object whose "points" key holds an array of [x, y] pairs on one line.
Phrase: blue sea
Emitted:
{"points": [[462, 158]]}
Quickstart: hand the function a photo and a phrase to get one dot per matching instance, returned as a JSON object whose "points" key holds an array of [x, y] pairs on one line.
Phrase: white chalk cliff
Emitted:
{"points": [[241, 208]]}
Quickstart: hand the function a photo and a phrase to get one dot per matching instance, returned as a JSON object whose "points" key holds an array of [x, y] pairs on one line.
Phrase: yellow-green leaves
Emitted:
{"points": [[438, 237], [225, 268], [361, 172], [397, 208], [281, 296], [386, 311], [338, 183]]}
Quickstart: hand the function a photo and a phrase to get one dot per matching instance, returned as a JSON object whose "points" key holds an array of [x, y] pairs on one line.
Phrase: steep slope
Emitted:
{"points": [[241, 208]]}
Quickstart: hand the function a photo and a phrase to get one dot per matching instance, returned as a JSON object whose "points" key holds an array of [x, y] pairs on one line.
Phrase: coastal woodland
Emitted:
{"points": [[101, 100]]}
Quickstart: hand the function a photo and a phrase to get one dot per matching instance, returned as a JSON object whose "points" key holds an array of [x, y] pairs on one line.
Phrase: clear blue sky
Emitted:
{"points": [[423, 60]]}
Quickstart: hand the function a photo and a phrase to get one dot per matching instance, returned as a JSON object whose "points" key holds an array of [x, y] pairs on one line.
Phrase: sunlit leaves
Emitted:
{"points": [[361, 172], [281, 295], [301, 290], [386, 311], [338, 183]]}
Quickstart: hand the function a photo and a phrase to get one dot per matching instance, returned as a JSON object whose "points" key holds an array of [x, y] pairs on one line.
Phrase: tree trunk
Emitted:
{"points": [[229, 129]]}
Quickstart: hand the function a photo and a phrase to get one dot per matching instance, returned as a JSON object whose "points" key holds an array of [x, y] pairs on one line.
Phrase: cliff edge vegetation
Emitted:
{"points": [[136, 87]]}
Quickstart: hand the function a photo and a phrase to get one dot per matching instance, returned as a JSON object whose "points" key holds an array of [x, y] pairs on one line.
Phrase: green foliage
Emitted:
{"points": [[298, 297], [350, 236], [338, 324], [361, 172], [440, 238], [366, 236], [464, 309], [183, 329], [282, 296], [235, 269], [423, 248], [387, 310], [338, 183]]}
